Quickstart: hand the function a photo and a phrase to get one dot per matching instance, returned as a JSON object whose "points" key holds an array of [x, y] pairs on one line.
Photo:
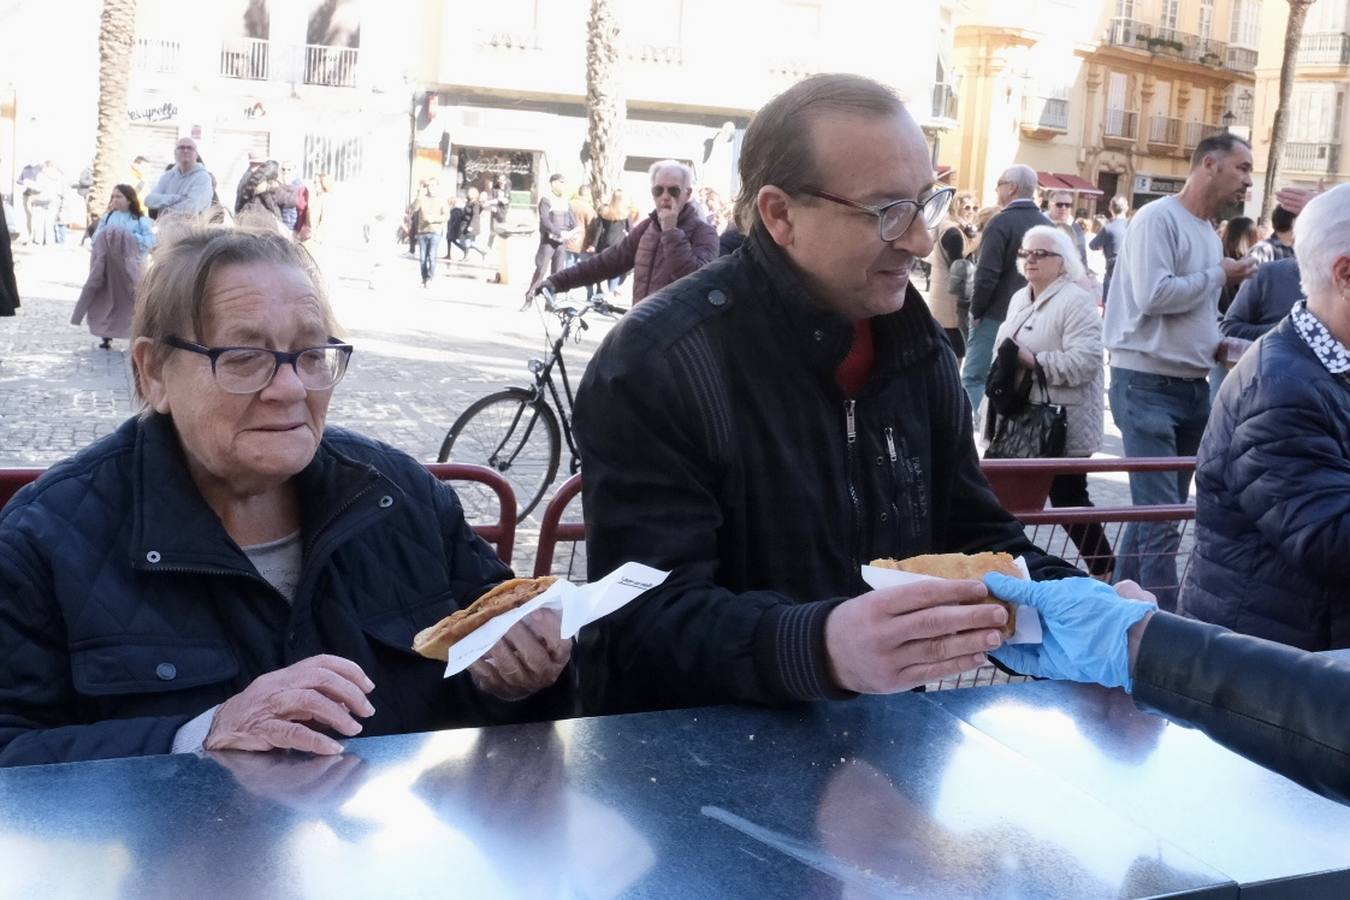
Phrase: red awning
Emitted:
{"points": [[1080, 185], [1051, 182], [943, 172]]}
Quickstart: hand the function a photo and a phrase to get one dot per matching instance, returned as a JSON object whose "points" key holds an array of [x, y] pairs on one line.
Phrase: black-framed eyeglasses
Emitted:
{"points": [[896, 217], [247, 370], [673, 190], [1037, 254], [1063, 206]]}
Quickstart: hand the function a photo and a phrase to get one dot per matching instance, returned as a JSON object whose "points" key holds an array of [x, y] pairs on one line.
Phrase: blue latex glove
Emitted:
{"points": [[1086, 625]]}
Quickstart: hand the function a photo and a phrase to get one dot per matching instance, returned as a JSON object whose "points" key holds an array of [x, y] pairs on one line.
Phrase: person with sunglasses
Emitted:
{"points": [[764, 427], [672, 242], [225, 572], [1061, 214]]}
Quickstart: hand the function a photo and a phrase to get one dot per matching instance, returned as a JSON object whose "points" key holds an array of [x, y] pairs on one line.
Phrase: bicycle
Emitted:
{"points": [[516, 431]]}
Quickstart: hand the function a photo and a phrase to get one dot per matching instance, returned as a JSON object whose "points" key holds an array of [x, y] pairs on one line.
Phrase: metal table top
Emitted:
{"points": [[1027, 791]]}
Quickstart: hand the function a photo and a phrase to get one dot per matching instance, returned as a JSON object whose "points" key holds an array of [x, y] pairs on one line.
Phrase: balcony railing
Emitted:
{"points": [[331, 66], [1129, 33], [1330, 49], [524, 39], [1164, 131], [1045, 113], [1196, 132], [157, 57], [656, 55], [1319, 159], [944, 101], [246, 58], [1122, 124], [1241, 59]]}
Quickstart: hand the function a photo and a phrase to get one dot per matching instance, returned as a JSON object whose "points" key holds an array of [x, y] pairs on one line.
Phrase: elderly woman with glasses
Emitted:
{"points": [[1053, 326], [224, 571]]}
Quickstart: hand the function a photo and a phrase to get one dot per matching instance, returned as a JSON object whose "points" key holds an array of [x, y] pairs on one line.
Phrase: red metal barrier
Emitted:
{"points": [[1023, 485], [11, 480], [552, 529]]}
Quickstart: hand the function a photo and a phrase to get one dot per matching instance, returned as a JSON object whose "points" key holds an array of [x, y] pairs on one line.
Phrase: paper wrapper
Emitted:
{"points": [[1028, 630], [580, 606]]}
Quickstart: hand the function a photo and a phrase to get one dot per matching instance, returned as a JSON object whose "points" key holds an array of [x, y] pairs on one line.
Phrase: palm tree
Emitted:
{"points": [[1293, 36], [605, 107], [116, 38]]}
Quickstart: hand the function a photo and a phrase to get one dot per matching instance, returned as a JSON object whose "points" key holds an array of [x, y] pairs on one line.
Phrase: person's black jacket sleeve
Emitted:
{"points": [[989, 267], [1281, 707]]}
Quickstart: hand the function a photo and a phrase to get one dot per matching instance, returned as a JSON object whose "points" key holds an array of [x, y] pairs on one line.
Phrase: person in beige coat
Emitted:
{"points": [[1056, 325]]}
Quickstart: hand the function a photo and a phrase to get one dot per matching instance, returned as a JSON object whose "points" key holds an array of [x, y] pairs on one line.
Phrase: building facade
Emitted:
{"points": [[1319, 118], [312, 81], [1103, 98], [503, 94]]}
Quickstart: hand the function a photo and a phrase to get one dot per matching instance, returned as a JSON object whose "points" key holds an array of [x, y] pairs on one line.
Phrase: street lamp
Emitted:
{"points": [[1228, 120]]}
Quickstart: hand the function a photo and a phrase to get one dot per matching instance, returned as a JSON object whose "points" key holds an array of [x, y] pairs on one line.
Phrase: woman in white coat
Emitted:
{"points": [[1056, 325]]}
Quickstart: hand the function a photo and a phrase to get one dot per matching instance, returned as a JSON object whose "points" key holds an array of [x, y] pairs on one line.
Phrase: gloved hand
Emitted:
{"points": [[1085, 634]]}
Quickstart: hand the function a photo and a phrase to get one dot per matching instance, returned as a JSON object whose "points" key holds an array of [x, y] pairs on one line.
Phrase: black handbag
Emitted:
{"points": [[1037, 432], [1007, 386]]}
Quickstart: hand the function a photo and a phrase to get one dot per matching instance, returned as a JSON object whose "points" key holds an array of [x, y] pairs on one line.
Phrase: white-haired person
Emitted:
{"points": [[1273, 470], [1053, 326], [672, 242]]}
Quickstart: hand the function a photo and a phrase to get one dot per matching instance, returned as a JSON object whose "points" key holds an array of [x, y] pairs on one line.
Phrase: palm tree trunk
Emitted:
{"points": [[116, 40], [605, 107], [1293, 36]]}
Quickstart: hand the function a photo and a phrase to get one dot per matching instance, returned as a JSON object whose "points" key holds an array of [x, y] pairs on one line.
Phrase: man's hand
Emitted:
{"points": [[898, 638], [1085, 621], [1238, 270], [666, 218], [528, 658], [1295, 198], [283, 709]]}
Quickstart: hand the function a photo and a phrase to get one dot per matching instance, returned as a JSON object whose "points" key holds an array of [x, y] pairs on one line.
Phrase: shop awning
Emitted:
{"points": [[943, 172], [1063, 181]]}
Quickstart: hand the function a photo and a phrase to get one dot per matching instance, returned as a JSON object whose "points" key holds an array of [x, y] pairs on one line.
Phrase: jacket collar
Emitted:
{"points": [[173, 527], [821, 337], [1051, 290]]}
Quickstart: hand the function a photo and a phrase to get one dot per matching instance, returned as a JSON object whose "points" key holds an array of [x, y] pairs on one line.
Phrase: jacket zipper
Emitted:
{"points": [[895, 484], [851, 432]]}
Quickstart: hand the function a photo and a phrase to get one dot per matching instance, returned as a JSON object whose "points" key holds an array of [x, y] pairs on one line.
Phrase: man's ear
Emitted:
{"points": [[149, 374], [775, 211]]}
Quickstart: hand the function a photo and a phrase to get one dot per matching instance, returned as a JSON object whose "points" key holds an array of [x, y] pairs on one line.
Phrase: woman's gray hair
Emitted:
{"points": [[686, 173], [1073, 266], [1322, 236], [171, 299]]}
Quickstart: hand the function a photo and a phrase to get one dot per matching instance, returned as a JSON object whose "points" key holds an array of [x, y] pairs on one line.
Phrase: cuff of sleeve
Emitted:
{"points": [[191, 736], [790, 652]]}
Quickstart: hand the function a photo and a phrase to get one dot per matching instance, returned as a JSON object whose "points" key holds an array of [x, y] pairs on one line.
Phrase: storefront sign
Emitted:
{"points": [[1157, 184], [162, 113], [497, 164]]}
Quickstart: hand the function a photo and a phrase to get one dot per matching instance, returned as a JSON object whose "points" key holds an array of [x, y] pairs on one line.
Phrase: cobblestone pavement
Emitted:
{"points": [[422, 357]]}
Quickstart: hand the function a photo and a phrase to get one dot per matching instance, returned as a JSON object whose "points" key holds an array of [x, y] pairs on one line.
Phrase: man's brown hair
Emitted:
{"points": [[777, 146]]}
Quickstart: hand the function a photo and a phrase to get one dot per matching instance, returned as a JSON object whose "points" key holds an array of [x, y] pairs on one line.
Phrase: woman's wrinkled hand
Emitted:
{"points": [[528, 658], [286, 709]]}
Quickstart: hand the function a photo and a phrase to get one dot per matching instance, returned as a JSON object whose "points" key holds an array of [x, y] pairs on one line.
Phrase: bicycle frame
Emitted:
{"points": [[545, 377]]}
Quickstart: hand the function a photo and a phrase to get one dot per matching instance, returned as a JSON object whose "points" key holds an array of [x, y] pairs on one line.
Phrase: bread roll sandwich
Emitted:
{"points": [[434, 642], [967, 566]]}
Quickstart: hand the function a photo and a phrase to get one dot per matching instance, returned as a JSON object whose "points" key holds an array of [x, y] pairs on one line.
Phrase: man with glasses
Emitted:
{"points": [[996, 275], [672, 242], [186, 188], [1061, 213], [768, 425]]}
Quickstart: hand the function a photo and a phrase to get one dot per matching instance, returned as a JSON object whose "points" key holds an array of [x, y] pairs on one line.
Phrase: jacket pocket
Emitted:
{"points": [[129, 665], [396, 629]]}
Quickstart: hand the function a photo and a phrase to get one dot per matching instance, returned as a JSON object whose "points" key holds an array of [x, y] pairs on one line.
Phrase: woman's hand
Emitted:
{"points": [[285, 709], [1026, 357], [528, 658]]}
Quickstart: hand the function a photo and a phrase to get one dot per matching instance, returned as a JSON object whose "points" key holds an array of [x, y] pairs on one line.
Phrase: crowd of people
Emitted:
{"points": [[768, 420]]}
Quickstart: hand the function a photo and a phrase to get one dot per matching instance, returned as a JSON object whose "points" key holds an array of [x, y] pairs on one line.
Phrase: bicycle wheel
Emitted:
{"points": [[512, 433]]}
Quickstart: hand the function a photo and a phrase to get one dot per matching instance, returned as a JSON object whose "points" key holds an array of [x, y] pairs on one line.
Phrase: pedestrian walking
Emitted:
{"points": [[1110, 238], [609, 227], [1162, 330], [9, 288], [556, 223], [430, 214], [186, 188], [947, 298], [124, 238]]}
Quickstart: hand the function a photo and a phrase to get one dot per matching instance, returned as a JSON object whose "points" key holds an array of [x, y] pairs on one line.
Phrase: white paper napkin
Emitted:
{"points": [[1028, 626], [580, 605]]}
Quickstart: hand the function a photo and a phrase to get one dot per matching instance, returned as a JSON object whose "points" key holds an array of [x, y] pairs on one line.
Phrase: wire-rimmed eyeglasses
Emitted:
{"points": [[896, 217], [247, 370]]}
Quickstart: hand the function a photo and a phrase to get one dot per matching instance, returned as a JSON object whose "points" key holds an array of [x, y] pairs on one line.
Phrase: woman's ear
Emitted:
{"points": [[149, 373]]}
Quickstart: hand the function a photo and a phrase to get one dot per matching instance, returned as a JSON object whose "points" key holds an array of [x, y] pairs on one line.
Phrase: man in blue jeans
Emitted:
{"points": [[430, 213], [1162, 330], [996, 275]]}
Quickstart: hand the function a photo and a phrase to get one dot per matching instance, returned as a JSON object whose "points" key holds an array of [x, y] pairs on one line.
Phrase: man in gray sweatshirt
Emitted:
{"points": [[186, 188], [1162, 330]]}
